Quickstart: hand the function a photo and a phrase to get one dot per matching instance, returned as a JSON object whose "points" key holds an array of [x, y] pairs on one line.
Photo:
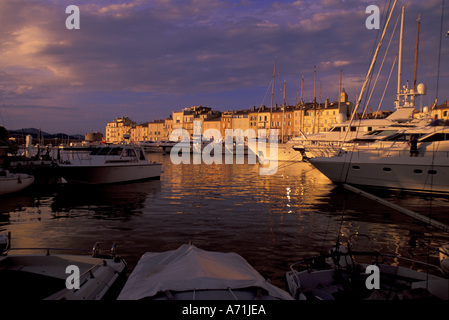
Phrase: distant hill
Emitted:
{"points": [[20, 133]]}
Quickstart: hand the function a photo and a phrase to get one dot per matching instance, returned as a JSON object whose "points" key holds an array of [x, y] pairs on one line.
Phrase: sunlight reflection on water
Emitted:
{"points": [[272, 221]]}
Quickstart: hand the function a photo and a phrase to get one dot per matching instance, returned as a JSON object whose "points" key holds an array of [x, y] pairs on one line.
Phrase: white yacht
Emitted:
{"points": [[389, 163], [109, 164], [150, 146]]}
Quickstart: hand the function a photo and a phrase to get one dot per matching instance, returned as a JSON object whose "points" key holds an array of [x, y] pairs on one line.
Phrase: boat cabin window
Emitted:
{"points": [[382, 132], [129, 153], [95, 151], [336, 129], [400, 137], [436, 137], [115, 151], [142, 156], [353, 128], [100, 151]]}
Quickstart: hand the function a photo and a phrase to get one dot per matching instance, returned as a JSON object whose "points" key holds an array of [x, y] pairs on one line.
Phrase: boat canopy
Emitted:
{"points": [[189, 268]]}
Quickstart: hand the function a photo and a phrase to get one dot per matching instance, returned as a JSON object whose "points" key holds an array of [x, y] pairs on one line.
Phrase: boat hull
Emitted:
{"points": [[405, 173], [14, 183], [277, 152], [110, 174]]}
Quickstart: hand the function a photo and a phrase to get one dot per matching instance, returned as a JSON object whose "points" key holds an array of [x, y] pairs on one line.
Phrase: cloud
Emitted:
{"points": [[157, 56]]}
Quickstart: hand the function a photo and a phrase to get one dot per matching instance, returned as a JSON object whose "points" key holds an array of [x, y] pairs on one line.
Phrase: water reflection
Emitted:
{"points": [[271, 221], [103, 202]]}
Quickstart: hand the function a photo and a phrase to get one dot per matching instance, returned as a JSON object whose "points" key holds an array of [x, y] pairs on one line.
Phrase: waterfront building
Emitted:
{"points": [[119, 129], [241, 120], [167, 128], [93, 136]]}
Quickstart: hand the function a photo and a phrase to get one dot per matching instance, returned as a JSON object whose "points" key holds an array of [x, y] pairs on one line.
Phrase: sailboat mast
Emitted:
{"points": [[283, 114], [416, 58], [272, 96], [339, 92], [359, 99], [400, 55]]}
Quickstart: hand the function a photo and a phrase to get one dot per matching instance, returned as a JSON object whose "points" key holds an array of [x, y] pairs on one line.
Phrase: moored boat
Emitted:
{"points": [[109, 164], [14, 182], [50, 276], [190, 273], [389, 164], [347, 274]]}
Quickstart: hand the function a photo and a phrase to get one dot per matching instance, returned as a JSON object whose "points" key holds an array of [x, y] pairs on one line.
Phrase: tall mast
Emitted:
{"points": [[314, 85], [339, 93], [359, 98], [283, 115], [400, 55], [416, 58], [272, 93], [314, 99]]}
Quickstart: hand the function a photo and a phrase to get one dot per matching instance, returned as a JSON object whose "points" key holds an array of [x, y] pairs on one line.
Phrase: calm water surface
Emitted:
{"points": [[272, 221]]}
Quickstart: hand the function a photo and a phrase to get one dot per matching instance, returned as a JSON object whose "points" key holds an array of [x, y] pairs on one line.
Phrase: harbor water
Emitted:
{"points": [[270, 220]]}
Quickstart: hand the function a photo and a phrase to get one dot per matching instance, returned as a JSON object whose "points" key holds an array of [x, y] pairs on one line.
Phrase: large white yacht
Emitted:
{"points": [[390, 164]]}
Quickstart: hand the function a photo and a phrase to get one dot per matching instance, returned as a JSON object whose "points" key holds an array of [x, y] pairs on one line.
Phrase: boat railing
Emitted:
{"points": [[68, 157], [320, 262], [390, 153], [95, 249]]}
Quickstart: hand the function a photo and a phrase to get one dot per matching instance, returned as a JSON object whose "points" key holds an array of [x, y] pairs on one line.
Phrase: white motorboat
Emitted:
{"points": [[190, 273], [389, 164], [346, 274], [151, 146], [14, 182], [331, 142], [286, 151], [109, 164], [49, 276]]}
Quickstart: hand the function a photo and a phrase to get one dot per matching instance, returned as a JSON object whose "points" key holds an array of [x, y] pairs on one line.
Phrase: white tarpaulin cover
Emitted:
{"points": [[191, 268]]}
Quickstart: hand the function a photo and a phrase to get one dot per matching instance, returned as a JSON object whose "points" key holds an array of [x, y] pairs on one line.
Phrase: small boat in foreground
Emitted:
{"points": [[109, 164], [14, 182], [48, 276], [339, 276], [190, 273]]}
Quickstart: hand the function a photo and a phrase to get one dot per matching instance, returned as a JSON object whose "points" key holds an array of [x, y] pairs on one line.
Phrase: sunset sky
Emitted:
{"points": [[144, 59]]}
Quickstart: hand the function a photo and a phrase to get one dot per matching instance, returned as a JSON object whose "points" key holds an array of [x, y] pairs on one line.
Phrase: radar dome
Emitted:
{"points": [[341, 117], [422, 88]]}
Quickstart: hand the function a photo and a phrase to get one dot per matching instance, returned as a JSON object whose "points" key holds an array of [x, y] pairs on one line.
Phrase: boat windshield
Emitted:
{"points": [[115, 152], [103, 151]]}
